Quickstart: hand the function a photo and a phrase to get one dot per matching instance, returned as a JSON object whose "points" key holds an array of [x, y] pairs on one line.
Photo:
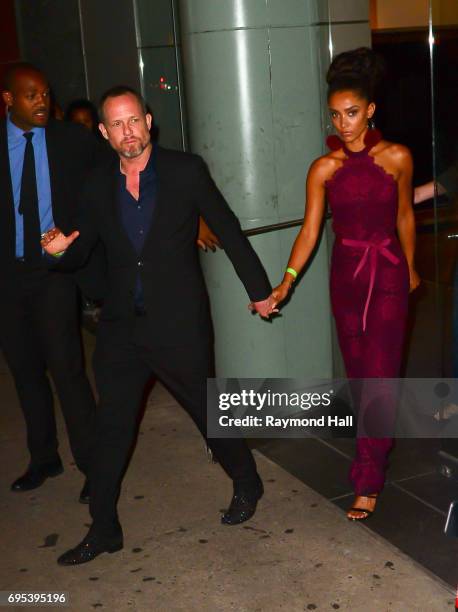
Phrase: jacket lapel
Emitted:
{"points": [[115, 211]]}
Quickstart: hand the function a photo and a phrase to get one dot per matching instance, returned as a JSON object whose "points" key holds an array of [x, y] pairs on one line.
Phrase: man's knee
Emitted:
{"points": [[116, 422]]}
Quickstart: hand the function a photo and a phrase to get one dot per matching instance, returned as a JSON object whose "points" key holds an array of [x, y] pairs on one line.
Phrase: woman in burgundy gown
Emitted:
{"points": [[367, 182]]}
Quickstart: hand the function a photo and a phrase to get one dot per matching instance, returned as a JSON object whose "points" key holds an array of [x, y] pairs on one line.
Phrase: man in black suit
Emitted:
{"points": [[145, 208], [42, 166]]}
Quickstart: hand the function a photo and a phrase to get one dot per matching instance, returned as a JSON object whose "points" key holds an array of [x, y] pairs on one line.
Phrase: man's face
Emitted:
{"points": [[125, 125], [83, 116], [28, 100]]}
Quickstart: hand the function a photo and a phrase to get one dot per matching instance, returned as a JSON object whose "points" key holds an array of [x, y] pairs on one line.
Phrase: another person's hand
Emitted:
{"points": [[264, 308], [54, 241], [206, 237], [427, 191], [414, 280], [421, 193]]}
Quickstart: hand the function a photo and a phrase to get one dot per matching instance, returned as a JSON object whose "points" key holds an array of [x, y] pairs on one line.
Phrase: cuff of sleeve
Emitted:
{"points": [[52, 259], [259, 297]]}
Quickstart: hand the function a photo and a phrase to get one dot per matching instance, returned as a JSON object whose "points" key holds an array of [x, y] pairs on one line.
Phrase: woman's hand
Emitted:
{"points": [[280, 293], [414, 279]]}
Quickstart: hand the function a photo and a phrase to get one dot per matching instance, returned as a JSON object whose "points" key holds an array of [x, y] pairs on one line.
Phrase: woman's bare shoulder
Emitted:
{"points": [[324, 167], [395, 151]]}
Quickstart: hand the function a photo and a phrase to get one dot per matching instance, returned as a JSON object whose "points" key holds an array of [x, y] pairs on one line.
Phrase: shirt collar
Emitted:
{"points": [[150, 168], [15, 132]]}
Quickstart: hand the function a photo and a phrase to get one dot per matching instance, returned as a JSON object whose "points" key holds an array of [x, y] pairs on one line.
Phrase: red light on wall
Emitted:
{"points": [[163, 84]]}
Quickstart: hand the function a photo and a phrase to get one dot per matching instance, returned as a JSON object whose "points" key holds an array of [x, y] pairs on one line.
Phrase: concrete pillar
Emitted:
{"points": [[253, 86]]}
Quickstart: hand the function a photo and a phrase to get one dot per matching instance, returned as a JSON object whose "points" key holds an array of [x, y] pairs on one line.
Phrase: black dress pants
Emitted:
{"points": [[124, 361], [40, 333]]}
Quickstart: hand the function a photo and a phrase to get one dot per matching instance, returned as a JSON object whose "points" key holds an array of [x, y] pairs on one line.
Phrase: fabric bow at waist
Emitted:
{"points": [[372, 250]]}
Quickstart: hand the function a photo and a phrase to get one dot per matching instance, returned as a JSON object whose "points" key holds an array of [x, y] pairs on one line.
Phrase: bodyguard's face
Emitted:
{"points": [[28, 100], [126, 126]]}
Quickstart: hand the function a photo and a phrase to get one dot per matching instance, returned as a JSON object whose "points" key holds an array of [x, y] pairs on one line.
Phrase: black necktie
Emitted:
{"points": [[28, 205]]}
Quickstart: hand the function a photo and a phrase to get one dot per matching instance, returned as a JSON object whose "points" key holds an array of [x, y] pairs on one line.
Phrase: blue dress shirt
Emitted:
{"points": [[16, 150], [136, 215]]}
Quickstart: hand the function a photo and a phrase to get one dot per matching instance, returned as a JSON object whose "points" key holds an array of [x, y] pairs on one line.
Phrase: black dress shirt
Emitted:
{"points": [[136, 215]]}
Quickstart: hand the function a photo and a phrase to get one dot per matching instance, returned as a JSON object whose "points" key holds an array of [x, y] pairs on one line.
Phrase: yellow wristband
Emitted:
{"points": [[293, 272], [58, 254]]}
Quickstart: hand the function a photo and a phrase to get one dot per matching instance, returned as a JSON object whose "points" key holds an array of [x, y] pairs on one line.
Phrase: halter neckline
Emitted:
{"points": [[371, 138], [361, 153]]}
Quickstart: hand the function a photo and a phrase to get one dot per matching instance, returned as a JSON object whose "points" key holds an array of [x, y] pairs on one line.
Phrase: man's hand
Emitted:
{"points": [[264, 308], [54, 241], [206, 237]]}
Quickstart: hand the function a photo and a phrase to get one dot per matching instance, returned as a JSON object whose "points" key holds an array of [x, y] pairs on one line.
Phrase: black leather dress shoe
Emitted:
{"points": [[35, 476], [85, 493], [243, 503], [87, 550]]}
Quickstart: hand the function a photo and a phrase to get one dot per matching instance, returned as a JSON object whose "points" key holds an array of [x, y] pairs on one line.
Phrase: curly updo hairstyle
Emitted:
{"points": [[360, 70]]}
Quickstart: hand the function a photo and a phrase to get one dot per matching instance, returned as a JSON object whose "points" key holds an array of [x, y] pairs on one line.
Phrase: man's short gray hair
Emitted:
{"points": [[115, 92]]}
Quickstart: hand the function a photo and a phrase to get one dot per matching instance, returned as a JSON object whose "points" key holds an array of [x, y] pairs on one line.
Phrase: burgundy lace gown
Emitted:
{"points": [[369, 290]]}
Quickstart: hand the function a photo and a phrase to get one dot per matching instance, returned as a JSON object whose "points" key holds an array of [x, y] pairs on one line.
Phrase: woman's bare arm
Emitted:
{"points": [[305, 242], [406, 218]]}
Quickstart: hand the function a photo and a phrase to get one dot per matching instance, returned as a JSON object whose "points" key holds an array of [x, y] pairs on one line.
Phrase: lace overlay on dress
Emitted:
{"points": [[369, 289]]}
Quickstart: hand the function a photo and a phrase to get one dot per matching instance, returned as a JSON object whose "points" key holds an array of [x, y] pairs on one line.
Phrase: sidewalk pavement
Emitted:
{"points": [[298, 553]]}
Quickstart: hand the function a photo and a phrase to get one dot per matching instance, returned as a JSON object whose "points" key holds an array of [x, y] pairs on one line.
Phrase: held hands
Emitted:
{"points": [[269, 306], [264, 308], [54, 241]]}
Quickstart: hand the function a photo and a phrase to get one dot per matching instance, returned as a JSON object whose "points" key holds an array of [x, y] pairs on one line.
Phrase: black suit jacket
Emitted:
{"points": [[72, 152], [174, 291]]}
